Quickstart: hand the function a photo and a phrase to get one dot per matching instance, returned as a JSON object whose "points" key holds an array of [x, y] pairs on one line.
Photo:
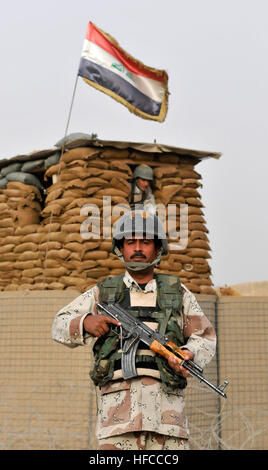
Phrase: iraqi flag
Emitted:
{"points": [[107, 67]]}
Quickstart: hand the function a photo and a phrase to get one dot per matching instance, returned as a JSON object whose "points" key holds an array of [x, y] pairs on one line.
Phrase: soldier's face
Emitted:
{"points": [[139, 249], [143, 184]]}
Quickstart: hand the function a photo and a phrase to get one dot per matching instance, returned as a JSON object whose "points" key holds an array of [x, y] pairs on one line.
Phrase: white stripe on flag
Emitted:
{"points": [[149, 87]]}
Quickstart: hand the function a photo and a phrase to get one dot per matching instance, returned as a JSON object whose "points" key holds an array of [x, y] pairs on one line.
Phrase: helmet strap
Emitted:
{"points": [[137, 266]]}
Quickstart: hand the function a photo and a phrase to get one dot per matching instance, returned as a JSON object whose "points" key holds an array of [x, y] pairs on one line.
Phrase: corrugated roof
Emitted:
{"points": [[89, 142]]}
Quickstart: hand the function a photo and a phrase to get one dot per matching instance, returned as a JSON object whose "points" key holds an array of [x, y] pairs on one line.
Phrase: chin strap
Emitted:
{"points": [[137, 266]]}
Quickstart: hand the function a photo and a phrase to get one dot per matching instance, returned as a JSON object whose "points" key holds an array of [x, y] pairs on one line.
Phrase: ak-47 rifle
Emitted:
{"points": [[133, 331]]}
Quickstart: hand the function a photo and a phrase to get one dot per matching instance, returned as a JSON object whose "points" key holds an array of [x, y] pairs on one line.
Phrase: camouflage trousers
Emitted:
{"points": [[143, 440]]}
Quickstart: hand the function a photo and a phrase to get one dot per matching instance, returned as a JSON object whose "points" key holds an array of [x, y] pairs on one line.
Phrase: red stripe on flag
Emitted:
{"points": [[96, 36]]}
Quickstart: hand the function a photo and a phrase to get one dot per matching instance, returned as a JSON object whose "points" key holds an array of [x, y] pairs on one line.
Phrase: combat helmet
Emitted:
{"points": [[143, 171], [139, 223]]}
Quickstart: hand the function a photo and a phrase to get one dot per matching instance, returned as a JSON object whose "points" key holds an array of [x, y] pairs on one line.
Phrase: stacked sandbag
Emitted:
{"points": [[19, 220], [89, 183], [22, 234], [90, 175], [7, 241], [62, 240], [177, 184]]}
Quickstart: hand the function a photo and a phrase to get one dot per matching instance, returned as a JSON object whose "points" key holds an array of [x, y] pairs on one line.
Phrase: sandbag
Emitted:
{"points": [[32, 272], [190, 192], [56, 285], [7, 248], [23, 247], [12, 239], [73, 193], [28, 255], [52, 160], [72, 137], [76, 237], [28, 264], [33, 237], [198, 252], [197, 226], [10, 168], [167, 193], [32, 165], [72, 281], [120, 166], [169, 158], [3, 183], [166, 171], [113, 154], [121, 184], [55, 254], [52, 208], [54, 272], [199, 244], [53, 227], [98, 272], [78, 153], [110, 263], [80, 172], [95, 254], [6, 222], [83, 184], [26, 191], [54, 170], [109, 175], [4, 232], [50, 245], [52, 263], [27, 216], [25, 178], [198, 234], [53, 237], [110, 192], [192, 201]]}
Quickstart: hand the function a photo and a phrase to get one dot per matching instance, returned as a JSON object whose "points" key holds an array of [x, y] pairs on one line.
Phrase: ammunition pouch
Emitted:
{"points": [[109, 358]]}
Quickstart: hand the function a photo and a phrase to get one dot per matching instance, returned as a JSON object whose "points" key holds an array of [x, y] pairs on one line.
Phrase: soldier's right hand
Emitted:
{"points": [[98, 325]]}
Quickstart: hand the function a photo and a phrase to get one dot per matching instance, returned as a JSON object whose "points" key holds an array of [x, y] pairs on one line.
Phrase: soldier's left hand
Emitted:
{"points": [[189, 355]]}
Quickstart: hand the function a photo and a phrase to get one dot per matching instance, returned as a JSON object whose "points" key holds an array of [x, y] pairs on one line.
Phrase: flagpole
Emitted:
{"points": [[71, 108], [59, 169]]}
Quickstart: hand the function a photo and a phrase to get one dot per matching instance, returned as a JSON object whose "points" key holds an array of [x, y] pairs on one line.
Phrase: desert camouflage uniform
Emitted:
{"points": [[143, 441], [139, 404]]}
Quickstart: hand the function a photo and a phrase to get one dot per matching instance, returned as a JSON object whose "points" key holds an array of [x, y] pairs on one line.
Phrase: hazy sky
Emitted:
{"points": [[215, 52]]}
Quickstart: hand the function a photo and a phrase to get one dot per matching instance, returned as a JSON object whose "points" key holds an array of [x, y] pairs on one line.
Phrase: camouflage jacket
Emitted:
{"points": [[138, 404], [149, 200]]}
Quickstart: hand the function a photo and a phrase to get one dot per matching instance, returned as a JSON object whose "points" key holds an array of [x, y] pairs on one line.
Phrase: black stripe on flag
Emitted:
{"points": [[111, 81]]}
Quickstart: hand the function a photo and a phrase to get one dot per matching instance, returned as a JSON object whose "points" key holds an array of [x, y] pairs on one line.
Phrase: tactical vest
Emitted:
{"points": [[106, 348]]}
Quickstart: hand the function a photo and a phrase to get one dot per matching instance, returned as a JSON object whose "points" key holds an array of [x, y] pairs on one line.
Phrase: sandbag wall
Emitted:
{"points": [[100, 177], [87, 176], [54, 252], [177, 183], [20, 257], [22, 234]]}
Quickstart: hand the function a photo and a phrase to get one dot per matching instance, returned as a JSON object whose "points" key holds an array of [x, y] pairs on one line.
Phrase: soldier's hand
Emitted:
{"points": [[189, 355], [98, 325]]}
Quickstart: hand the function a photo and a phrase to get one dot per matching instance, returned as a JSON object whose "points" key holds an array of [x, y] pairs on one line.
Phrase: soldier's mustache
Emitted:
{"points": [[138, 253]]}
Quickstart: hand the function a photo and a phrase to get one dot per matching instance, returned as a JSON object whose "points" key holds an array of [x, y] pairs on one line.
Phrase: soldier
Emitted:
{"points": [[141, 195], [147, 411]]}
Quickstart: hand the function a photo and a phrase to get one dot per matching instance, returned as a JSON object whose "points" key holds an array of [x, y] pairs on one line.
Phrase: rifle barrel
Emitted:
{"points": [[201, 378]]}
